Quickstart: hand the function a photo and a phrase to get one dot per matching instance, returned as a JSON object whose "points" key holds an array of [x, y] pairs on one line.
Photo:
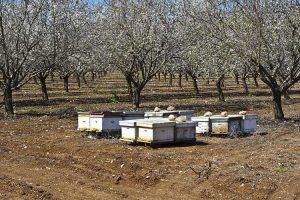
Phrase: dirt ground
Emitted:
{"points": [[42, 156]]}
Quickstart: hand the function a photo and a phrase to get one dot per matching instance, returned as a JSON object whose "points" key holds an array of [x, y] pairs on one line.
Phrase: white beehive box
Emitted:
{"points": [[187, 113], [229, 124], [161, 114], [105, 121], [249, 123], [203, 124], [129, 130], [83, 121], [130, 115], [156, 131], [185, 131]]}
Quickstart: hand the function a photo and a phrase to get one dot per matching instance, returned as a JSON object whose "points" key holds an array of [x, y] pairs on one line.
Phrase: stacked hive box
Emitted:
{"points": [[155, 131], [105, 121], [185, 132], [203, 124], [83, 121], [129, 130], [187, 113], [248, 124], [229, 124]]}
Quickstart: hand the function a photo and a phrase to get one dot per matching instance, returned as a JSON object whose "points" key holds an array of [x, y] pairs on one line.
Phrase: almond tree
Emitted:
{"points": [[75, 26], [140, 40], [20, 34], [49, 52], [267, 35]]}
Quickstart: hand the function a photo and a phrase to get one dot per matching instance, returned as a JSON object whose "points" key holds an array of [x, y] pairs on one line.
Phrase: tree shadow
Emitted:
{"points": [[171, 145]]}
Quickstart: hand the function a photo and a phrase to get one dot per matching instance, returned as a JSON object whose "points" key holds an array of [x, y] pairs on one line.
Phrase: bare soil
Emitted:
{"points": [[42, 156]]}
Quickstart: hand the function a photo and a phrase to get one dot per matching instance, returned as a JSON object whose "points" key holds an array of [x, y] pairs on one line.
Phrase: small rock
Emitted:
{"points": [[171, 118], [156, 109], [170, 108], [118, 178], [207, 114], [181, 119], [224, 114], [243, 112]]}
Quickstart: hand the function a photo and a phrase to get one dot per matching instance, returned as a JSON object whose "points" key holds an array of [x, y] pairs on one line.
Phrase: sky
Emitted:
{"points": [[94, 1]]}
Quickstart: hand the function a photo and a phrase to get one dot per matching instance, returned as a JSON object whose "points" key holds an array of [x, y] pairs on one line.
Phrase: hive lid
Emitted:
{"points": [[129, 122], [154, 123], [200, 119], [184, 112], [235, 117], [107, 114], [133, 113], [186, 124], [83, 113], [250, 116], [219, 118], [229, 117], [162, 113]]}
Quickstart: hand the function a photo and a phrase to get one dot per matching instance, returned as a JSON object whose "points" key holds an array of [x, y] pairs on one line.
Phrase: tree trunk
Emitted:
{"points": [[43, 87], [52, 77], [277, 104], [222, 83], [158, 75], [137, 97], [129, 87], [207, 81], [186, 77], [180, 80], [35, 81], [66, 83], [255, 80], [245, 85], [78, 80], [219, 88], [286, 95], [8, 100], [236, 78], [165, 77], [93, 76], [84, 79], [170, 79], [195, 84]]}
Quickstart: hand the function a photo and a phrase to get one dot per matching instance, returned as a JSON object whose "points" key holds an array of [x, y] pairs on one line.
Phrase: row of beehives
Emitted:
{"points": [[232, 124], [155, 127], [109, 121]]}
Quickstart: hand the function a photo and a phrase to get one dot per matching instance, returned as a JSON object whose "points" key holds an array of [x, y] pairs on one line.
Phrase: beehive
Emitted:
{"points": [[129, 130], [155, 131], [187, 113], [203, 124], [105, 121], [185, 131], [83, 121], [249, 123], [229, 124]]}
